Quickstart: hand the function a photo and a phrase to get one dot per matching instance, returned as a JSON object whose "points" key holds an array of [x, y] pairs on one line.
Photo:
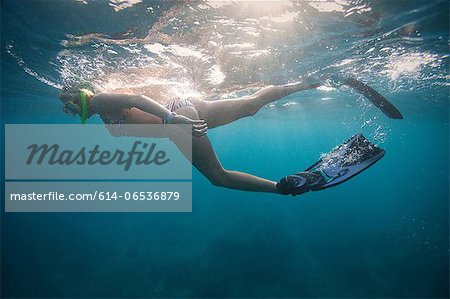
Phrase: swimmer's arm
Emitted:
{"points": [[111, 102]]}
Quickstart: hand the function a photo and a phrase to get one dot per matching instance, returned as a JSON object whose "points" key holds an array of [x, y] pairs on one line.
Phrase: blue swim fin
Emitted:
{"points": [[342, 163]]}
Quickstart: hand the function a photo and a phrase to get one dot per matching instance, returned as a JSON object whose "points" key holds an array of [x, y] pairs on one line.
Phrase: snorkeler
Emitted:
{"points": [[118, 109]]}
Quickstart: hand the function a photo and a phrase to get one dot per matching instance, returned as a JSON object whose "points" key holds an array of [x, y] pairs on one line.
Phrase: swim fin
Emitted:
{"points": [[342, 163], [375, 97]]}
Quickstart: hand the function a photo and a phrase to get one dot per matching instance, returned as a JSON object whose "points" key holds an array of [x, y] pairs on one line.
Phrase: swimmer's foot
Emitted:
{"points": [[300, 183], [307, 83]]}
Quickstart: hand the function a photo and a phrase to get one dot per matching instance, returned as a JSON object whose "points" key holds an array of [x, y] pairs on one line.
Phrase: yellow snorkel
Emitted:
{"points": [[84, 106], [73, 106]]}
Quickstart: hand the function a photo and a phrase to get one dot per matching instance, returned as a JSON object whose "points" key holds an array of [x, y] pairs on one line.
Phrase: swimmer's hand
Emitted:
{"points": [[199, 127]]}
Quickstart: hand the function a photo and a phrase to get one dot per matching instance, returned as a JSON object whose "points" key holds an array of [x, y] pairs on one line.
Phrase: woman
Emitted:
{"points": [[117, 109]]}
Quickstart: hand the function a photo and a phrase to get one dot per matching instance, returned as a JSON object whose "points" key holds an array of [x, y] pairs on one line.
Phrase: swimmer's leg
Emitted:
{"points": [[221, 112], [206, 161]]}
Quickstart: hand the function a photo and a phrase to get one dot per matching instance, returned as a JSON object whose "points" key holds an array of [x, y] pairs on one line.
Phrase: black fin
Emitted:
{"points": [[375, 97]]}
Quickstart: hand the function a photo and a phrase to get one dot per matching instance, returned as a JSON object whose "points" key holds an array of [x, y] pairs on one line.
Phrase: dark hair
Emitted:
{"points": [[69, 93]]}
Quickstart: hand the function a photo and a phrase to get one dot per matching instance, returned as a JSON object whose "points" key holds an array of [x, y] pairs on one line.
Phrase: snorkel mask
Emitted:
{"points": [[71, 108]]}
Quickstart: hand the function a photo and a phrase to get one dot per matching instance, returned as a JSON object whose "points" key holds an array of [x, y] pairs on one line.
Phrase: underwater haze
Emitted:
{"points": [[383, 234]]}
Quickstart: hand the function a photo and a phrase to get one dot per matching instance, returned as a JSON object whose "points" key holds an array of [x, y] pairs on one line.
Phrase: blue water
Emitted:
{"points": [[384, 233]]}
